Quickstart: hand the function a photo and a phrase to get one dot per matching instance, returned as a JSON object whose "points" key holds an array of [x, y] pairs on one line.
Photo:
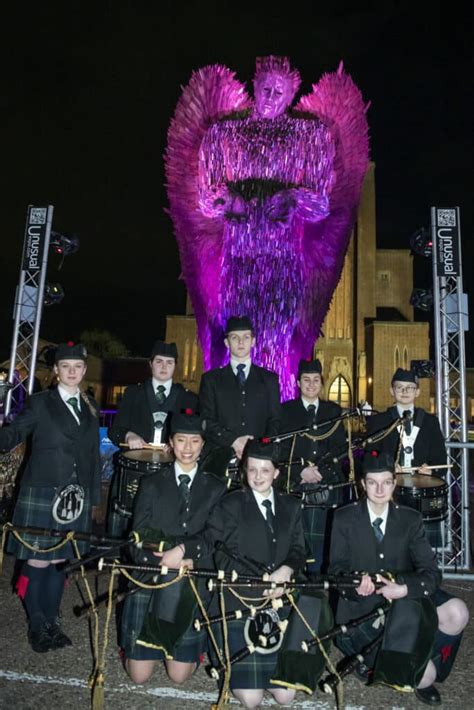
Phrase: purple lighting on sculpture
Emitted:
{"points": [[263, 200]]}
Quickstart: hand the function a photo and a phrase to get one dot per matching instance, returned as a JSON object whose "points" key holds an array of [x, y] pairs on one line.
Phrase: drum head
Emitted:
{"points": [[406, 480], [148, 456]]}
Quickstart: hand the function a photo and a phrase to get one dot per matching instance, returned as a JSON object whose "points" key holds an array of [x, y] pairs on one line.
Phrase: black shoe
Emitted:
{"points": [[428, 695], [57, 637], [363, 673], [40, 639]]}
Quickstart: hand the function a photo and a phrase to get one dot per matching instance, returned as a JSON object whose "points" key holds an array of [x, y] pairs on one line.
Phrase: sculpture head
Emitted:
{"points": [[275, 85]]}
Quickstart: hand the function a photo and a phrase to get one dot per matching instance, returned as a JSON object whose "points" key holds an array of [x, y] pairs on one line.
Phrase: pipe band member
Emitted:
{"points": [[59, 487], [264, 525], [174, 504], [145, 413], [303, 412], [241, 400], [417, 442], [424, 625]]}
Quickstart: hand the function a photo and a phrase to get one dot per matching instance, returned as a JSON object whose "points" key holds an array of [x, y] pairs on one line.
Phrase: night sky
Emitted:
{"points": [[87, 94]]}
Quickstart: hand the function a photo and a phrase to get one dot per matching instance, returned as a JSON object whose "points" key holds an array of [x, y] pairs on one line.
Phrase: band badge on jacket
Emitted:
{"points": [[68, 504], [263, 631]]}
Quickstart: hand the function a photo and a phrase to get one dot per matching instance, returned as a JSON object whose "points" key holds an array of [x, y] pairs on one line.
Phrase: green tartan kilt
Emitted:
{"points": [[254, 671], [189, 649], [33, 509]]}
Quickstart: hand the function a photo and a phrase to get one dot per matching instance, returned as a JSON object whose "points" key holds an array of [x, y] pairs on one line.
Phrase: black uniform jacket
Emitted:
{"points": [[230, 412], [60, 447], [246, 533], [136, 410], [158, 506], [429, 445], [404, 552], [295, 416]]}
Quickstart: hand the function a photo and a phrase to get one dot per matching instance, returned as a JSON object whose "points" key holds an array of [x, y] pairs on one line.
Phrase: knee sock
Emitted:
{"points": [[444, 652], [30, 588], [53, 592]]}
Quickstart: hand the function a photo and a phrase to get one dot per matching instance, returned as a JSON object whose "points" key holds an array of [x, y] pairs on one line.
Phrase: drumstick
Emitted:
{"points": [[412, 469], [145, 446]]}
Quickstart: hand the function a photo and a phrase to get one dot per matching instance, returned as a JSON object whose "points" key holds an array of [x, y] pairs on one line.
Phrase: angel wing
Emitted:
{"points": [[338, 103], [211, 93]]}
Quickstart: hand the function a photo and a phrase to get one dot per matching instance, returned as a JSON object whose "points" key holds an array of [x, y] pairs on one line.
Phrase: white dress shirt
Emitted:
{"points": [[259, 498], [373, 516], [65, 395], [307, 404], [234, 363], [178, 471]]}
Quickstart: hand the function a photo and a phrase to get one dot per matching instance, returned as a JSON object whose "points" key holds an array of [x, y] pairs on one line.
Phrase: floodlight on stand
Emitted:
{"points": [[53, 294], [422, 299], [421, 242]]}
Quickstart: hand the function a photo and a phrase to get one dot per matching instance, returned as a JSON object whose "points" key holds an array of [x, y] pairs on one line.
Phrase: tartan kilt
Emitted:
{"points": [[33, 509], [189, 649], [315, 522], [254, 671]]}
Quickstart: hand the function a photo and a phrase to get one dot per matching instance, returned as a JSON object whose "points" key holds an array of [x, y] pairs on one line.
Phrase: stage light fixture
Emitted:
{"points": [[423, 368], [422, 299], [421, 242], [64, 244], [53, 294]]}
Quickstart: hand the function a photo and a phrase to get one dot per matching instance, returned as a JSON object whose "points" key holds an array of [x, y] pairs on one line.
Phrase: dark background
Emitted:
{"points": [[87, 94]]}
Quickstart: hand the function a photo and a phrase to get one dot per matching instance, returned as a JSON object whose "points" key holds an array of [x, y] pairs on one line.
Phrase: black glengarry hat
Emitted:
{"points": [[261, 449], [164, 349], [186, 422], [238, 323], [70, 351], [309, 366], [378, 462], [405, 376]]}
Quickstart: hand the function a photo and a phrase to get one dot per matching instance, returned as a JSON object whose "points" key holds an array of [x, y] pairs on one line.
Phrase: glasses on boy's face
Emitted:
{"points": [[406, 388]]}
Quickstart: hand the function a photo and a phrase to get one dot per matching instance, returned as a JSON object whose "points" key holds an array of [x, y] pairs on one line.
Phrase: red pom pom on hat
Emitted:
{"points": [[188, 411], [70, 344]]}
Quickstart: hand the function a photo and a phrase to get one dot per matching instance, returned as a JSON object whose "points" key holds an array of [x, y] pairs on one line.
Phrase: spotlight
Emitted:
{"points": [[421, 242], [64, 244], [422, 299], [53, 294], [423, 368]]}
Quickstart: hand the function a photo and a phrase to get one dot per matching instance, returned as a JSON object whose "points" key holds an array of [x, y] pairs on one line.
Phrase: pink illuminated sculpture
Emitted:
{"points": [[263, 199]]}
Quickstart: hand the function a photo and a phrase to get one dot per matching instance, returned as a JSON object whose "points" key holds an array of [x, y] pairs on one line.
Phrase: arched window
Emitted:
{"points": [[186, 359], [340, 392], [405, 358], [396, 358], [194, 357]]}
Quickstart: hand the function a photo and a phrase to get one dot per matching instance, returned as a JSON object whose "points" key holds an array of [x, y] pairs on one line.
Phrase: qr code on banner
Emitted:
{"points": [[38, 215], [446, 218]]}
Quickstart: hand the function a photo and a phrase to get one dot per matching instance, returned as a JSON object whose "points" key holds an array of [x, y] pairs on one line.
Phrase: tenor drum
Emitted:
{"points": [[132, 465], [427, 494]]}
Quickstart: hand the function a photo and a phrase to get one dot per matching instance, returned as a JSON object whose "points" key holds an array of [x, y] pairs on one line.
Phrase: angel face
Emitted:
{"points": [[273, 95]]}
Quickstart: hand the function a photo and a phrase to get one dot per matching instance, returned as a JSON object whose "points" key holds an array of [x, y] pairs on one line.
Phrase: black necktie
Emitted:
{"points": [[241, 375], [75, 405], [377, 529], [407, 423], [269, 513], [160, 394], [312, 412], [184, 481]]}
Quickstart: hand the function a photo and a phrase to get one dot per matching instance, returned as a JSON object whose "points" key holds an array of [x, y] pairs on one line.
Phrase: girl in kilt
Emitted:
{"points": [[264, 527], [173, 504], [58, 490]]}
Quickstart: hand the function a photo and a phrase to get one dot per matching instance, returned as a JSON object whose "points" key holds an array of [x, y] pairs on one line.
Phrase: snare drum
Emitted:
{"points": [[427, 494], [132, 465]]}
